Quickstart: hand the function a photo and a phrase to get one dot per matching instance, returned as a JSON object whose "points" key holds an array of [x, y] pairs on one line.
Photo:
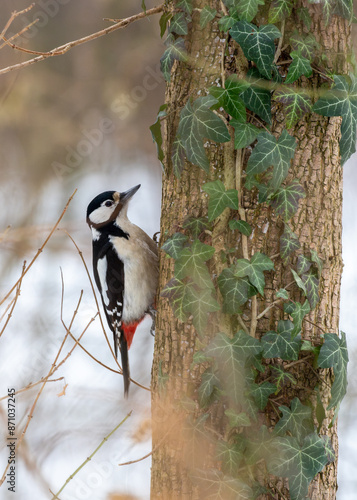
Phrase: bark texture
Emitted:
{"points": [[317, 224]]}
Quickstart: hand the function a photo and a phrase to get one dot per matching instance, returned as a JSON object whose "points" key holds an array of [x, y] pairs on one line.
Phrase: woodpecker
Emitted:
{"points": [[125, 267]]}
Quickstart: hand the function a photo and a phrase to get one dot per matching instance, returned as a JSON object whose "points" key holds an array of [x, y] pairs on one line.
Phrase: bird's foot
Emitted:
{"points": [[152, 313]]}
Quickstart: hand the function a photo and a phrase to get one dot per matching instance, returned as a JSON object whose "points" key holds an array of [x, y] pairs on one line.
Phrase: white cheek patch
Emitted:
{"points": [[102, 266], [101, 214]]}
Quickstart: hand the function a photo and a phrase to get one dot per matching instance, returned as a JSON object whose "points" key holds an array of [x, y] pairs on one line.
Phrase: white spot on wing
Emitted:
{"points": [[102, 273]]}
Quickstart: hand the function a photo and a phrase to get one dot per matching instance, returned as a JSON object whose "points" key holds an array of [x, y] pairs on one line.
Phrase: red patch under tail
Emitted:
{"points": [[129, 331]]}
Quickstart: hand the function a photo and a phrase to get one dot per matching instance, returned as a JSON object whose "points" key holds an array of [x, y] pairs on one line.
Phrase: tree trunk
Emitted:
{"points": [[317, 224]]}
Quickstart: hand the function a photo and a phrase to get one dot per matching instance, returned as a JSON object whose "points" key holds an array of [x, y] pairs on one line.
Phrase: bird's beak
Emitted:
{"points": [[125, 197]]}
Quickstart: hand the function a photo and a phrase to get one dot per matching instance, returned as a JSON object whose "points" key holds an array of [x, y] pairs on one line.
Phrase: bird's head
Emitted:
{"points": [[106, 207]]}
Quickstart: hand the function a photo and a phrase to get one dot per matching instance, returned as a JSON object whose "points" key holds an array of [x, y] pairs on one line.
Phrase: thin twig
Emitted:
{"points": [[17, 295], [137, 460], [55, 496], [33, 384], [268, 308], [39, 250], [62, 49]]}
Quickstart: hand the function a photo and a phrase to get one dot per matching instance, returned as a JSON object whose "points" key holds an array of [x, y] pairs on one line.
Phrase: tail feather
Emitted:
{"points": [[125, 363]]}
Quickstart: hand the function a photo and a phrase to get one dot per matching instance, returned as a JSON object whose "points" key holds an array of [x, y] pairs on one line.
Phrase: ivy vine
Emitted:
{"points": [[245, 370]]}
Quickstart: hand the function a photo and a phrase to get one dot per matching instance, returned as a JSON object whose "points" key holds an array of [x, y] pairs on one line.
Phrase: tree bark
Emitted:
{"points": [[317, 224]]}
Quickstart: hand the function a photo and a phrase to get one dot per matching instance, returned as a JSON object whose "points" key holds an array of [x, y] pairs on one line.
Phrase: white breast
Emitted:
{"points": [[102, 266]]}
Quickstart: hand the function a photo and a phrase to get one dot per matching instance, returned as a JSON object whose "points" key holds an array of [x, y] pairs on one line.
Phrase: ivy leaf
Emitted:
{"points": [[175, 51], [178, 24], [259, 446], [207, 14], [261, 393], [298, 314], [185, 5], [297, 420], [226, 22], [191, 263], [303, 264], [209, 385], [230, 355], [334, 354], [229, 97], [296, 104], [244, 133], [155, 130], [178, 156], [257, 44], [299, 66], [270, 151], [341, 100], [286, 199], [200, 303], [282, 378], [299, 464], [344, 8], [281, 345], [164, 19], [305, 45], [242, 226], [254, 270], [279, 10], [257, 98], [311, 284], [196, 226], [177, 291], [237, 419], [174, 244], [304, 16], [197, 122], [214, 485], [316, 259], [235, 291], [230, 455], [219, 198], [289, 243], [248, 9], [282, 294]]}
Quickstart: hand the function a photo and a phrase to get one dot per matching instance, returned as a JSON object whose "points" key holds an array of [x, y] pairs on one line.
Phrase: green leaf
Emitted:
{"points": [[259, 446], [219, 198], [174, 244], [286, 199], [200, 303], [230, 355], [333, 354], [289, 243], [281, 345], [311, 283], [297, 420], [235, 291], [279, 10], [214, 485], [305, 45], [316, 259], [242, 226], [230, 455], [178, 156], [257, 97], [298, 314], [344, 8], [191, 263], [248, 9], [282, 294], [196, 225], [296, 104], [197, 122], [155, 130], [209, 385], [207, 14], [226, 22], [229, 97], [237, 419], [175, 51], [185, 5], [303, 264], [178, 24], [177, 292], [304, 16], [254, 270], [244, 133], [257, 44], [298, 281], [272, 152], [143, 5], [261, 393], [299, 464], [282, 378], [164, 19], [299, 66], [341, 100]]}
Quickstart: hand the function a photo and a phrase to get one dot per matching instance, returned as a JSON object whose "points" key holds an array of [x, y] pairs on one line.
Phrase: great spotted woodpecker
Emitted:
{"points": [[125, 266]]}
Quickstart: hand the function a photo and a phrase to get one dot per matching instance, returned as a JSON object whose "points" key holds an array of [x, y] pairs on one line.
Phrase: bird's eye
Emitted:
{"points": [[108, 203]]}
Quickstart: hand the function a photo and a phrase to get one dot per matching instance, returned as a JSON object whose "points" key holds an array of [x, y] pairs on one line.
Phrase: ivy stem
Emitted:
{"points": [[280, 44], [268, 308]]}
